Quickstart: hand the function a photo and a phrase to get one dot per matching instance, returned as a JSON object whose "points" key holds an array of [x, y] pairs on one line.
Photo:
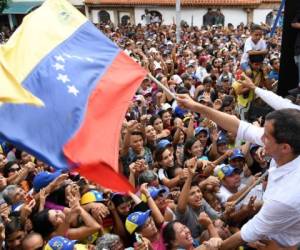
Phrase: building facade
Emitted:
{"points": [[192, 11]]}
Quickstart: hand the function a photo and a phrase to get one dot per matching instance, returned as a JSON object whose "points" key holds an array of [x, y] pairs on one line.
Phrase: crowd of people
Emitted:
{"points": [[192, 173]]}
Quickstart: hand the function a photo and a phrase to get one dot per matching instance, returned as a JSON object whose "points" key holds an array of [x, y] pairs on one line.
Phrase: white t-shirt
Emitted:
{"points": [[250, 45], [224, 193]]}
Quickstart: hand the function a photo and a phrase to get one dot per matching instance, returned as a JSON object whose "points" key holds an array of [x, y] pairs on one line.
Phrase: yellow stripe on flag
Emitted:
{"points": [[16, 57]]}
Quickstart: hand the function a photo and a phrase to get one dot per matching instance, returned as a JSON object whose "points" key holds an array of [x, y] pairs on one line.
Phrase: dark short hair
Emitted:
{"points": [[286, 124], [137, 133], [255, 27]]}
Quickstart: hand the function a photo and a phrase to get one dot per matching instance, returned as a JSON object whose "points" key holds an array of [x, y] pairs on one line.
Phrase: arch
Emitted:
{"points": [[104, 16], [125, 19], [156, 16]]}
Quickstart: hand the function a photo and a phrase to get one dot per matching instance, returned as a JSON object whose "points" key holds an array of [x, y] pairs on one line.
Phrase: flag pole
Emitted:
{"points": [[161, 85], [243, 195]]}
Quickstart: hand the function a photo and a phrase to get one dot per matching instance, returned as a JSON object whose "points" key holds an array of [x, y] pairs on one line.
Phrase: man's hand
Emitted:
{"points": [[144, 189], [192, 166], [247, 82], [186, 102], [204, 220], [29, 166], [251, 204], [26, 209], [211, 180], [213, 244], [58, 182]]}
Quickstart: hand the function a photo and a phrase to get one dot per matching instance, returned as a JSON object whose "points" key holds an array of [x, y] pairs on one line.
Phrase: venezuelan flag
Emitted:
{"points": [[85, 82]]}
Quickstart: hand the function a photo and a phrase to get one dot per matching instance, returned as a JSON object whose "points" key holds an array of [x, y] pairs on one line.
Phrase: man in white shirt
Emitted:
{"points": [[273, 100], [230, 182], [254, 45], [279, 217]]}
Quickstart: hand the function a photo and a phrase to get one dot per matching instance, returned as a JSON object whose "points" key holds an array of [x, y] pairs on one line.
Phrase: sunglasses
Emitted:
{"points": [[14, 169]]}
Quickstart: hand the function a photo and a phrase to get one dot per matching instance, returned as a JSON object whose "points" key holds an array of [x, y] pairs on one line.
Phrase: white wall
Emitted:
{"points": [[234, 16], [259, 15], [95, 16], [76, 2], [169, 14]]}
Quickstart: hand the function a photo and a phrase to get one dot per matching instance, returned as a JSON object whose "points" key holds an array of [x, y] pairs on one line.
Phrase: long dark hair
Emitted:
{"points": [[169, 235], [188, 146], [42, 224]]}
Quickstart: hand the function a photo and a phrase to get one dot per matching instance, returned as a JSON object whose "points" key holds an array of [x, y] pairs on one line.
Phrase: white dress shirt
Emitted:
{"points": [[279, 217], [275, 101]]}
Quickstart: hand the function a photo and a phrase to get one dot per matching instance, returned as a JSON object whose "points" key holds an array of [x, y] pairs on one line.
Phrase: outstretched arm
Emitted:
{"points": [[226, 121]]}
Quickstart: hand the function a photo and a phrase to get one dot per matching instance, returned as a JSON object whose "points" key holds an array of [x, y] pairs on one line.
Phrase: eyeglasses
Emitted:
{"points": [[14, 169]]}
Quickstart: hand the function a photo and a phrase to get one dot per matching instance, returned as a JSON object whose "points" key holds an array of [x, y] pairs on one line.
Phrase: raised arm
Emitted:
{"points": [[184, 194], [227, 122], [275, 101]]}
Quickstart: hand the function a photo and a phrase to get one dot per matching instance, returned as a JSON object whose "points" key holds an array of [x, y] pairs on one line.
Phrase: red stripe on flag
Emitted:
{"points": [[105, 176], [97, 140]]}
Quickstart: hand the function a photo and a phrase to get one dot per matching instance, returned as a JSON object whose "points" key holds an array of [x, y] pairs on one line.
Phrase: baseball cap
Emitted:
{"points": [[153, 50], [198, 130], [166, 106], [226, 170], [176, 78], [203, 98], [179, 112], [237, 153], [163, 144], [222, 139], [60, 243], [154, 193], [91, 196], [135, 220], [157, 66], [43, 179]]}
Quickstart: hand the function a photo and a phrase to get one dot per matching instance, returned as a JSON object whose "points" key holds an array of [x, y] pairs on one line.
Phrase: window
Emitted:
{"points": [[104, 16]]}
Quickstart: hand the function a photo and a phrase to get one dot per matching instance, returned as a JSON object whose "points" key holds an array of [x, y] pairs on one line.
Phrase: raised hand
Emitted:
{"points": [[186, 102], [204, 220]]}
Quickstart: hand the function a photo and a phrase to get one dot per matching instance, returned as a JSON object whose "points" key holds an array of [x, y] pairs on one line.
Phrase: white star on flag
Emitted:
{"points": [[63, 78], [59, 58], [72, 90], [89, 59], [58, 66]]}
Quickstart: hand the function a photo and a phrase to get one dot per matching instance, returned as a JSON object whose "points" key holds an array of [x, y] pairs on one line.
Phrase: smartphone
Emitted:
{"points": [[138, 238]]}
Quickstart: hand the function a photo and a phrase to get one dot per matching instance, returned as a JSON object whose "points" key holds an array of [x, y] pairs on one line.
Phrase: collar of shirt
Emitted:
{"points": [[276, 172]]}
